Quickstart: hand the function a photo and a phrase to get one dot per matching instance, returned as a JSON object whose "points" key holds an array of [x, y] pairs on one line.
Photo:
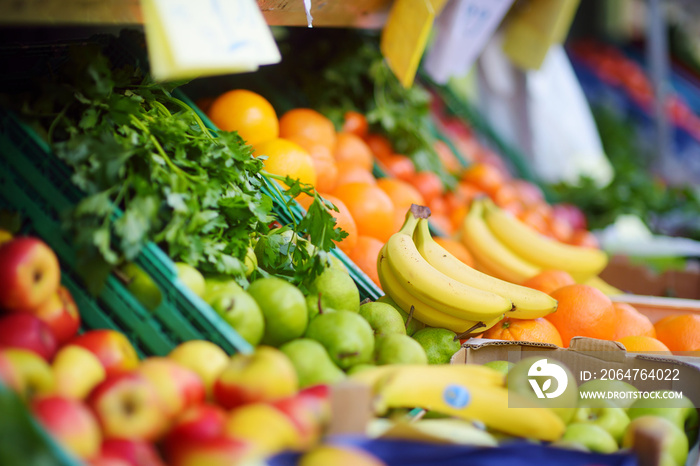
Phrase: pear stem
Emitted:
{"points": [[410, 316]]}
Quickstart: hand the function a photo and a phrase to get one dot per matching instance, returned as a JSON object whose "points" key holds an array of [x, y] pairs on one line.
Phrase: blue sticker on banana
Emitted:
{"points": [[456, 396]]}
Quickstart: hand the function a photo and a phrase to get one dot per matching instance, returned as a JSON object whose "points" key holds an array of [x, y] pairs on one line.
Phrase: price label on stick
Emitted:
{"points": [[463, 29], [189, 38]]}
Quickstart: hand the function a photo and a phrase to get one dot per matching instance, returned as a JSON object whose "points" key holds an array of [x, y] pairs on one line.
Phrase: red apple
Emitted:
{"points": [[203, 357], [127, 406], [29, 273], [76, 371], [200, 422], [265, 375], [178, 387], [112, 348], [71, 423], [8, 375], [264, 426], [132, 452], [220, 451], [309, 411], [101, 460], [60, 313], [28, 332], [29, 374]]}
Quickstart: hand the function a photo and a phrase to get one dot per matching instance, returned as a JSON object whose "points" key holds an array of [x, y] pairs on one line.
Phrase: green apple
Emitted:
{"points": [[240, 311], [191, 277], [545, 375], [591, 436], [611, 386], [674, 443], [501, 366], [680, 411], [605, 414]]}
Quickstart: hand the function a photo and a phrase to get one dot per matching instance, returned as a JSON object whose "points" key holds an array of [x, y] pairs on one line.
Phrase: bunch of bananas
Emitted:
{"points": [[442, 291], [466, 391], [507, 248]]}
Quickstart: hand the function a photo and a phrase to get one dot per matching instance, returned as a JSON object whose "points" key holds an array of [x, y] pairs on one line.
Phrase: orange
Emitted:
{"points": [[680, 332], [443, 224], [371, 208], [399, 166], [484, 176], [326, 168], [355, 123], [457, 216], [537, 330], [352, 149], [351, 173], [438, 206], [286, 158], [583, 311], [535, 219], [379, 145], [629, 322], [643, 344], [447, 157], [402, 196], [528, 193], [584, 239], [246, 112], [455, 248], [428, 184], [560, 229], [365, 254], [305, 124], [343, 219], [549, 280], [504, 195]]}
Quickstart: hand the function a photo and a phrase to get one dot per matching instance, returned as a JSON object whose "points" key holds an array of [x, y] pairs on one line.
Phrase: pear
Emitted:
{"points": [[359, 368], [191, 277], [439, 344], [337, 290], [242, 312], [383, 318], [347, 337], [411, 327], [283, 307], [217, 283], [311, 362], [142, 286], [399, 349]]}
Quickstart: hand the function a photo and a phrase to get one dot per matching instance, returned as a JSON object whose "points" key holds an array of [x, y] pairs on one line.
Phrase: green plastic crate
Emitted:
{"points": [[37, 184]]}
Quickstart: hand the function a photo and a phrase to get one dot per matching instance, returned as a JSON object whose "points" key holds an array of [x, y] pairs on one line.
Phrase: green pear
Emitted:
{"points": [[250, 261], [501, 366], [439, 344], [283, 307], [383, 318], [396, 348], [240, 311], [680, 411], [191, 277], [674, 443], [311, 362], [591, 436], [608, 385], [142, 286], [347, 337], [411, 327], [337, 290], [359, 368], [215, 284], [336, 263], [605, 414]]}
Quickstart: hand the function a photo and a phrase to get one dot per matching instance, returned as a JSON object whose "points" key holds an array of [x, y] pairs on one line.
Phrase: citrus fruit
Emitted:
{"points": [[582, 311], [456, 248], [286, 158], [629, 322], [351, 148], [484, 176], [447, 157], [324, 165], [584, 238], [365, 254], [352, 173], [379, 145], [398, 166], [679, 332], [549, 280], [428, 184], [402, 195], [344, 220], [642, 344], [355, 123], [246, 112], [309, 126], [371, 208], [442, 224], [538, 330]]}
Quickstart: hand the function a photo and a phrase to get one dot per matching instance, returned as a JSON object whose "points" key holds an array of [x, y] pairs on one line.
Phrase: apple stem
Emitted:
{"points": [[469, 332], [410, 316]]}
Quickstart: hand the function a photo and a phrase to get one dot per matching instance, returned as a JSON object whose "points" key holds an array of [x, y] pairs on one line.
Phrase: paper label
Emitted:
{"points": [[189, 38], [463, 29], [405, 35]]}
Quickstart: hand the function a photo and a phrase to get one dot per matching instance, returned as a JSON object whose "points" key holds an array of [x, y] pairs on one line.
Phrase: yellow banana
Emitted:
{"points": [[458, 395], [475, 372], [423, 312], [528, 303], [435, 288], [544, 252], [489, 252], [602, 285]]}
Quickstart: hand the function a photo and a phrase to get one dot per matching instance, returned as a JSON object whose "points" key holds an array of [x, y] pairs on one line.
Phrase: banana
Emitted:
{"points": [[433, 287], [528, 303], [489, 252], [546, 253], [602, 285], [474, 372], [458, 395], [423, 312]]}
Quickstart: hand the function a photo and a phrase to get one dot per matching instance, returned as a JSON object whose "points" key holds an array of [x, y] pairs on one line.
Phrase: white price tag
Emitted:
{"points": [[187, 38], [463, 29]]}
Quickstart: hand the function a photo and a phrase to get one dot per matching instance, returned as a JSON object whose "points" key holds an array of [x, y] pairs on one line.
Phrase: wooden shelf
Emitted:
{"points": [[364, 14]]}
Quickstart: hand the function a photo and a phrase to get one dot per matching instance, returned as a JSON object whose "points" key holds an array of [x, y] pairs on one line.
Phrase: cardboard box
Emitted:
{"points": [[656, 307], [640, 279], [591, 355]]}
